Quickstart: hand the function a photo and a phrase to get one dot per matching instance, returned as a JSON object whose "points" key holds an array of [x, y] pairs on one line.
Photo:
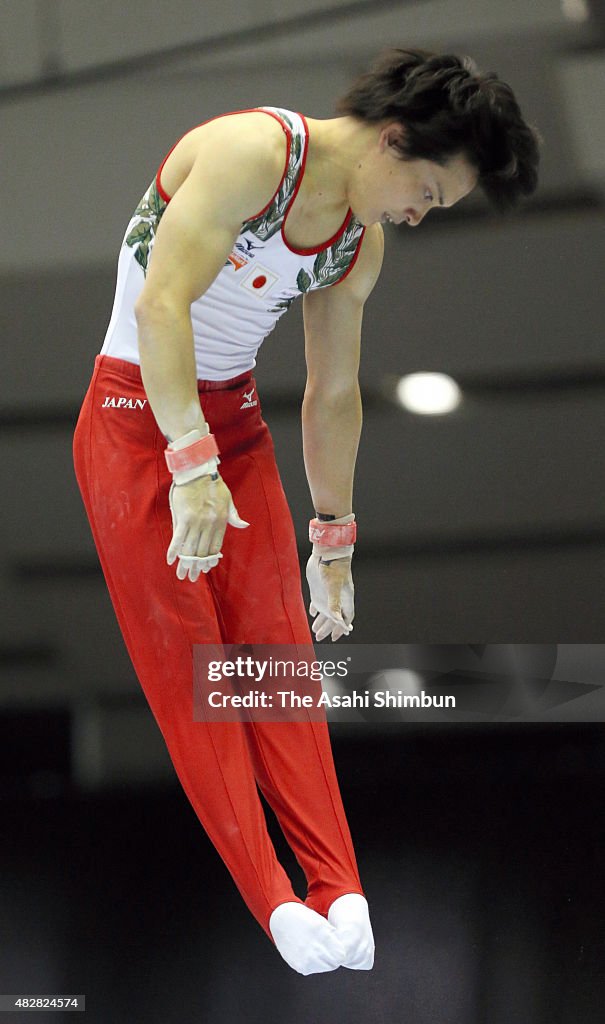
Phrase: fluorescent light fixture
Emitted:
{"points": [[429, 394]]}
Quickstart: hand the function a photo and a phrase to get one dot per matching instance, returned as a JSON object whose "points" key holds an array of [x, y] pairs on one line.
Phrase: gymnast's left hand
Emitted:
{"points": [[332, 596]]}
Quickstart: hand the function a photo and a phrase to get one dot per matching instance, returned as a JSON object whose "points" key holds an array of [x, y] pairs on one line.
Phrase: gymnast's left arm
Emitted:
{"points": [[331, 421]]}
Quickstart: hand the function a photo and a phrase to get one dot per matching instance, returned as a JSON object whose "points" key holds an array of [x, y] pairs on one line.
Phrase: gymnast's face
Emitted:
{"points": [[390, 189]]}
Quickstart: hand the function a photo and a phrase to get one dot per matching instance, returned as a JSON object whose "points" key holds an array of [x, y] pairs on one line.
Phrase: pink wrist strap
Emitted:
{"points": [[331, 535], [193, 455]]}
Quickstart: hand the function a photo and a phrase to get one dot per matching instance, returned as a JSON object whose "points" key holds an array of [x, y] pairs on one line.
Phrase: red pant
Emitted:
{"points": [[252, 596]]}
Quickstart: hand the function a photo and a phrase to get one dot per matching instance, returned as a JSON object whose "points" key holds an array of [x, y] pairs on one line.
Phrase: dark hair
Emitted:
{"points": [[449, 107]]}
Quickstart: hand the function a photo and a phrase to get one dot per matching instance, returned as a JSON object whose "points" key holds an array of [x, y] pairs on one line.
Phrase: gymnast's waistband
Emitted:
{"points": [[132, 371]]}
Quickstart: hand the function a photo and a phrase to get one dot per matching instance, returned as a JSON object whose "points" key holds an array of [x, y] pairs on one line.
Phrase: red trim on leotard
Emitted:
{"points": [[343, 226], [252, 110]]}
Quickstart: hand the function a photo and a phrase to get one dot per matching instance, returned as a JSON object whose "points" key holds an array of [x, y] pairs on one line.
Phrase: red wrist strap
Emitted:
{"points": [[331, 535], [193, 455]]}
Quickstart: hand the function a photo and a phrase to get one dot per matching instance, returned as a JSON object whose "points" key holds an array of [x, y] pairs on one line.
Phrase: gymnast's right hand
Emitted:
{"points": [[200, 503], [201, 510]]}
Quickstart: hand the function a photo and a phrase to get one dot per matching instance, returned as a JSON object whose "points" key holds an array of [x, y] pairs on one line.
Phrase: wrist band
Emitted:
{"points": [[193, 455], [331, 534]]}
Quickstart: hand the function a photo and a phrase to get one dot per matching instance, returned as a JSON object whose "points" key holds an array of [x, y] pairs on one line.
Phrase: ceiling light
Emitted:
{"points": [[429, 394]]}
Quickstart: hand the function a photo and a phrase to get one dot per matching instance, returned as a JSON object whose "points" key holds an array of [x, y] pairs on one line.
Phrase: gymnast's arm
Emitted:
{"points": [[331, 411], [194, 238]]}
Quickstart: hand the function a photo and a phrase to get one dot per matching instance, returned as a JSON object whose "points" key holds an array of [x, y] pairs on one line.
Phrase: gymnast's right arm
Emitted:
{"points": [[194, 238]]}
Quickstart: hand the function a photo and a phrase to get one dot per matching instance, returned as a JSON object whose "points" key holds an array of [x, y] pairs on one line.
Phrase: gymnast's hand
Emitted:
{"points": [[332, 592], [201, 511]]}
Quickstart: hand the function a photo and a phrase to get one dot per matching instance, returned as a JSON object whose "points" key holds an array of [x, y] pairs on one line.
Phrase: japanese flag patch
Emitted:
{"points": [[259, 280]]}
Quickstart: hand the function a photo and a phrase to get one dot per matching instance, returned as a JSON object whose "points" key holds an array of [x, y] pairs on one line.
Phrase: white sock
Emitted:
{"points": [[351, 918], [307, 942]]}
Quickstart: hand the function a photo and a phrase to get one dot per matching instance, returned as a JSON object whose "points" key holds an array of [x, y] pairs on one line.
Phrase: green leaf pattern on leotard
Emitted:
{"points": [[281, 306], [143, 226], [330, 264], [303, 281]]}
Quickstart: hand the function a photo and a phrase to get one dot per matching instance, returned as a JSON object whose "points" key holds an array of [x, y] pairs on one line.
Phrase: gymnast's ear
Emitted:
{"points": [[393, 136]]}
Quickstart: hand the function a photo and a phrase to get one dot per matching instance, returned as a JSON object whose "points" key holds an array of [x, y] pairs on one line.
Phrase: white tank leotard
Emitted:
{"points": [[259, 281]]}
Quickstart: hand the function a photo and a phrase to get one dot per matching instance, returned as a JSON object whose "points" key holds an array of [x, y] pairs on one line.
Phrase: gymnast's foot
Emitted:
{"points": [[307, 942], [350, 917]]}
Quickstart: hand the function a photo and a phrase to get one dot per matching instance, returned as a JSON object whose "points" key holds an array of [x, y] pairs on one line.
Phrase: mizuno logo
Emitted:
{"points": [[123, 403], [249, 245], [242, 254], [248, 403]]}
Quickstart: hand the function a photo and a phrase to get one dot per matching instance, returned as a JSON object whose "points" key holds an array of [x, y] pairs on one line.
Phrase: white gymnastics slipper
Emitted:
{"points": [[307, 942], [351, 918]]}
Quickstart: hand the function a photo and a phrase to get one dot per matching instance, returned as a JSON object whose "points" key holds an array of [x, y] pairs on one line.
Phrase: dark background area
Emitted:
{"points": [[480, 852]]}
